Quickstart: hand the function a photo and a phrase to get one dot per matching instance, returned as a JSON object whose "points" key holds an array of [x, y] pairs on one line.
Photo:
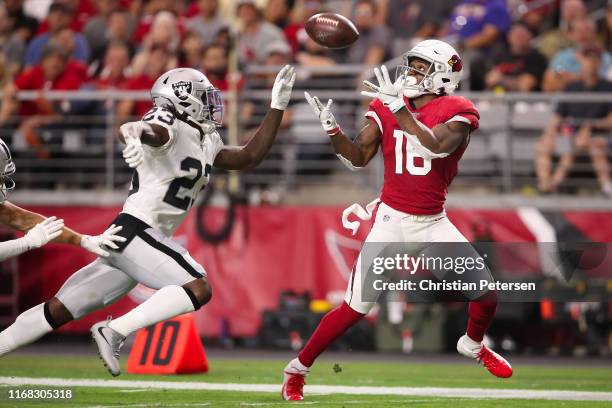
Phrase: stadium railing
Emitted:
{"points": [[79, 151]]}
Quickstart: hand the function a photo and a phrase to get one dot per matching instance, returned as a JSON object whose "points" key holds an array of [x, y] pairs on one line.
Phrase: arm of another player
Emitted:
{"points": [[251, 154], [40, 230], [355, 154]]}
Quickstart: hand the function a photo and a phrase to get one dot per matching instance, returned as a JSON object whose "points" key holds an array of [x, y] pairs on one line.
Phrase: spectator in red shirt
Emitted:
{"points": [[81, 10], [114, 69], [53, 73], [294, 32], [191, 50], [150, 13], [112, 75], [117, 28], [155, 65], [111, 24], [164, 33], [214, 64], [65, 39]]}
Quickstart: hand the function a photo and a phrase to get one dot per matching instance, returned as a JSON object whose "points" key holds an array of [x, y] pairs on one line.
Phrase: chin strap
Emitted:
{"points": [[208, 127], [411, 89]]}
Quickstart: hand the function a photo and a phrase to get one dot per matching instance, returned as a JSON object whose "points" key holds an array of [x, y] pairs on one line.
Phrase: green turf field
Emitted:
{"points": [[370, 374]]}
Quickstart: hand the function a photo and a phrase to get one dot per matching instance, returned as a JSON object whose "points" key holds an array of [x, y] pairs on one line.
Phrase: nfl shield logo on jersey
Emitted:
{"points": [[182, 89]]}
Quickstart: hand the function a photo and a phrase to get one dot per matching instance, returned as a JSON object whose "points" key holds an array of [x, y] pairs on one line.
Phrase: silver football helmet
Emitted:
{"points": [[189, 92], [7, 168]]}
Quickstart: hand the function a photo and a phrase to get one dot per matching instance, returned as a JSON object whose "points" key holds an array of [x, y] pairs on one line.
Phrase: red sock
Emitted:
{"points": [[481, 315], [332, 326]]}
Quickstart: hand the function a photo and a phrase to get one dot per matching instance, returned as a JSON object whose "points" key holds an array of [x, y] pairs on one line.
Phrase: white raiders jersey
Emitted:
{"points": [[166, 184]]}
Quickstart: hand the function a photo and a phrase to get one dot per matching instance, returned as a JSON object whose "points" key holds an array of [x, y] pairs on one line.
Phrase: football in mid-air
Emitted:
{"points": [[331, 30]]}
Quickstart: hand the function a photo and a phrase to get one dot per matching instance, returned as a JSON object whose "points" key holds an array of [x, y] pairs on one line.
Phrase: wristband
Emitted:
{"points": [[334, 131], [396, 105]]}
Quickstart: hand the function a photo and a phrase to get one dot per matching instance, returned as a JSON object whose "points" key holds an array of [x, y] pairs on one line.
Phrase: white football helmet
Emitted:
{"points": [[7, 168], [444, 72], [189, 92]]}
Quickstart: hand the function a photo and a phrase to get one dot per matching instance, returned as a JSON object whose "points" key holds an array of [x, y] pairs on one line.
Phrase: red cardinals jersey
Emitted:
{"points": [[413, 184]]}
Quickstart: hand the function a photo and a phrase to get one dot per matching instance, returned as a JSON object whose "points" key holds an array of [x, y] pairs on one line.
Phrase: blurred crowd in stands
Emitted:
{"points": [[510, 45]]}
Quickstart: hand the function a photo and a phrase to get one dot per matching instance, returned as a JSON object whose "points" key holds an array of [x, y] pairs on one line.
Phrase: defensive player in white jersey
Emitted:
{"points": [[172, 149], [39, 230]]}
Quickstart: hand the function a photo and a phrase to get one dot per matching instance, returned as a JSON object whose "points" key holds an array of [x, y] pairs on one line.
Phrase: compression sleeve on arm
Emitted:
{"points": [[14, 247]]}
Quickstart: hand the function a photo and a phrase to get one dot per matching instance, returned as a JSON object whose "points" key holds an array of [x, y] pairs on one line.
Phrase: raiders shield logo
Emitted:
{"points": [[182, 89]]}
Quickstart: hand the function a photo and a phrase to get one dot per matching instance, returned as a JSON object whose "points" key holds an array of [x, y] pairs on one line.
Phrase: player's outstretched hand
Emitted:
{"points": [[323, 112], [108, 238], [43, 232], [281, 91], [389, 93], [133, 152]]}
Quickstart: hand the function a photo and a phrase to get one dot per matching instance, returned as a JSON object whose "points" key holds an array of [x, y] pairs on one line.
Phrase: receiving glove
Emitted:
{"points": [[107, 238], [389, 93], [133, 152], [324, 114], [43, 232], [281, 91]]}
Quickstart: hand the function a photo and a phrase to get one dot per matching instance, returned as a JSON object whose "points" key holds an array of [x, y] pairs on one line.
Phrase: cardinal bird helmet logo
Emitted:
{"points": [[455, 63]]}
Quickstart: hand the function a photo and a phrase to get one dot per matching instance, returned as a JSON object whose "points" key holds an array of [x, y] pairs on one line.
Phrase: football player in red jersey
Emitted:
{"points": [[423, 131]]}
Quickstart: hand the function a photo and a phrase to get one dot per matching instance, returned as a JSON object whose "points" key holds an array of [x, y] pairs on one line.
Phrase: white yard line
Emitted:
{"points": [[493, 393]]}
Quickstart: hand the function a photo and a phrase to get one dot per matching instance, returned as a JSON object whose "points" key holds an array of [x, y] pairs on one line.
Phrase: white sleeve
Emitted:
{"points": [[459, 118], [374, 116], [14, 247], [218, 144], [348, 163]]}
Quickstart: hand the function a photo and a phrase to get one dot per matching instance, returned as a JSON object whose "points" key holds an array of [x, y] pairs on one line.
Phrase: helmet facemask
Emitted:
{"points": [[425, 86], [7, 184], [202, 104], [213, 106]]}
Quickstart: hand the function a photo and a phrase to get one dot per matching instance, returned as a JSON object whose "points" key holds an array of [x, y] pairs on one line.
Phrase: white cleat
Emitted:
{"points": [[109, 343]]}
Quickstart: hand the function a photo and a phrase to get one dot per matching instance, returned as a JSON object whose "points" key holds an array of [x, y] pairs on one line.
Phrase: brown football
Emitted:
{"points": [[331, 30]]}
